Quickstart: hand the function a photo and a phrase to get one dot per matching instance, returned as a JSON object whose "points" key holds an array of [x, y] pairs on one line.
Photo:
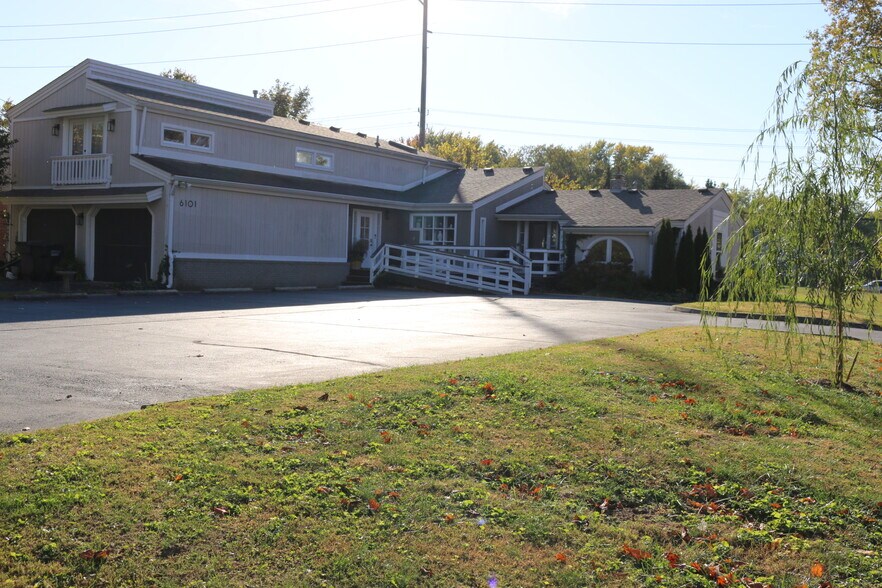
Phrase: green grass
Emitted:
{"points": [[868, 311], [536, 468]]}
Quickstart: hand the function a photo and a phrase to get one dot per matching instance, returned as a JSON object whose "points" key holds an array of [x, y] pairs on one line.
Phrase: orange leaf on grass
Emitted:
{"points": [[373, 505], [817, 569], [486, 462], [653, 398], [561, 557], [488, 387], [673, 559], [449, 517], [636, 553], [387, 436]]}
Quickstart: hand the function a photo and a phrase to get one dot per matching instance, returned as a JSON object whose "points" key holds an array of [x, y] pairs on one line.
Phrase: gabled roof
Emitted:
{"points": [[605, 208], [458, 186]]}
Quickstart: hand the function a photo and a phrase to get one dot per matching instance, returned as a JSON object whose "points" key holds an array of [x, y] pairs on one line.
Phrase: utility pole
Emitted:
{"points": [[425, 4]]}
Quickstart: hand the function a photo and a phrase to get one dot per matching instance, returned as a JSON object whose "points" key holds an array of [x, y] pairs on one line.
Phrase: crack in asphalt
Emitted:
{"points": [[285, 351]]}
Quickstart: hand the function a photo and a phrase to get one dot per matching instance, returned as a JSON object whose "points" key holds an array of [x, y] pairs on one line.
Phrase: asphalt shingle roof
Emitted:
{"points": [[278, 122], [626, 208], [459, 186]]}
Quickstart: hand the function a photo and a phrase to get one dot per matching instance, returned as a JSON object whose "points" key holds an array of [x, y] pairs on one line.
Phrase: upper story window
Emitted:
{"points": [[184, 138], [86, 136], [435, 229], [315, 159]]}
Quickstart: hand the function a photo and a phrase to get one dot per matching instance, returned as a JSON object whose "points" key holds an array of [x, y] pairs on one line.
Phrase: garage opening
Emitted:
{"points": [[122, 244], [53, 226]]}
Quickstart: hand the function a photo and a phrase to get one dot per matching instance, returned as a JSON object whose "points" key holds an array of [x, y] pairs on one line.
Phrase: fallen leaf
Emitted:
{"points": [[673, 559], [486, 462], [324, 397], [636, 553], [561, 557], [817, 569], [373, 505], [449, 517], [220, 510]]}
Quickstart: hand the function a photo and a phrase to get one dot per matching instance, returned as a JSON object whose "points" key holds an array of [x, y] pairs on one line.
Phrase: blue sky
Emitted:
{"points": [[699, 104]]}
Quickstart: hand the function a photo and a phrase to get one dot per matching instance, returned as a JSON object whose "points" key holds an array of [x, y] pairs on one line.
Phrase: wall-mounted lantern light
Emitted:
{"points": [[111, 125], [80, 218], [56, 128], [4, 216]]}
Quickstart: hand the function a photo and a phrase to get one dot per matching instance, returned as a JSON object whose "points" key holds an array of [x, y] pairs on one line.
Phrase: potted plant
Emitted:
{"points": [[357, 252]]}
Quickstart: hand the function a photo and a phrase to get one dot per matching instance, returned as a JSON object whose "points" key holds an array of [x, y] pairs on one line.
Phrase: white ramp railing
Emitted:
{"points": [[447, 268], [545, 262]]}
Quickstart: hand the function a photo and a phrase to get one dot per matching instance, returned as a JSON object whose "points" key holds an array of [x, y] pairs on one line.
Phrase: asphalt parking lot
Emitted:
{"points": [[71, 360], [64, 361]]}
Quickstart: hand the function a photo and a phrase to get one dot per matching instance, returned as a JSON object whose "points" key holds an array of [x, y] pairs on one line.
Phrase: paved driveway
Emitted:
{"points": [[65, 361]]}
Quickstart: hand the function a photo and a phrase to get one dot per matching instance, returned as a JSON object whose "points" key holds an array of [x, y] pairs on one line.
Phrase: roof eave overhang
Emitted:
{"points": [[60, 199], [581, 229]]}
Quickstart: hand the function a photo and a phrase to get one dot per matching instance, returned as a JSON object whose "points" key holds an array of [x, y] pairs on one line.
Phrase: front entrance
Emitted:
{"points": [[122, 244], [366, 228]]}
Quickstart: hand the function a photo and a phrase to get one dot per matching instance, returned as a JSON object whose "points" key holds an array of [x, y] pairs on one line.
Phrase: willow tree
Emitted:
{"points": [[801, 242]]}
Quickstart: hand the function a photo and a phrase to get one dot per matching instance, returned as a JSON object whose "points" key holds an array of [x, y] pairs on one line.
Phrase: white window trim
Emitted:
{"points": [[314, 154], [420, 229], [186, 144], [608, 256]]}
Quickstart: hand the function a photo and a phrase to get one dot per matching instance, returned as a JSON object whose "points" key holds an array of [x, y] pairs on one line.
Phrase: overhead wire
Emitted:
{"points": [[619, 41], [202, 27]]}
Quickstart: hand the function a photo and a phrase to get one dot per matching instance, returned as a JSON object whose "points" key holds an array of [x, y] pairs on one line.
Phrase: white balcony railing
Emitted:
{"points": [[75, 170]]}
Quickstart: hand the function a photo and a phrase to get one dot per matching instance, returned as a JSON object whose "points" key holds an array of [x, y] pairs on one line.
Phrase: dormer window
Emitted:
{"points": [[185, 138], [315, 159]]}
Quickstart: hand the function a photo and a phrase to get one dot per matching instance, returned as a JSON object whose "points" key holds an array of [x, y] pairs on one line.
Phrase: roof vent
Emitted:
{"points": [[594, 192], [488, 171], [303, 121], [254, 92], [528, 170], [403, 147], [377, 142], [362, 135], [335, 129]]}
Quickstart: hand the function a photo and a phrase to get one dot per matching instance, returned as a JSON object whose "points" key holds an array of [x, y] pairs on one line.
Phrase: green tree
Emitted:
{"points": [[6, 143], [178, 74], [687, 272], [805, 231], [289, 103], [467, 150], [664, 267]]}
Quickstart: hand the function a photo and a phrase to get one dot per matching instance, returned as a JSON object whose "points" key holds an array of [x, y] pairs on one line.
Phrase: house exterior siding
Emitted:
{"points": [[193, 274], [209, 221]]}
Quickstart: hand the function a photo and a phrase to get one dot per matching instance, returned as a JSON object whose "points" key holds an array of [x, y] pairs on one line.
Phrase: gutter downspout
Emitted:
{"points": [[169, 233], [141, 133], [425, 171]]}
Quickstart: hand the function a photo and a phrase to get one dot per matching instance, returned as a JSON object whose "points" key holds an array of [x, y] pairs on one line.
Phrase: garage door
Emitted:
{"points": [[53, 227], [122, 244]]}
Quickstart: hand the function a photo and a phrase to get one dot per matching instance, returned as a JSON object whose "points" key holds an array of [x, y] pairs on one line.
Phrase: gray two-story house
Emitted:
{"points": [[141, 177]]}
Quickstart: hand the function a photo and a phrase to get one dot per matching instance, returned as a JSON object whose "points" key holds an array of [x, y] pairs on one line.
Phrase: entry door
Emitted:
{"points": [[122, 244], [366, 226]]}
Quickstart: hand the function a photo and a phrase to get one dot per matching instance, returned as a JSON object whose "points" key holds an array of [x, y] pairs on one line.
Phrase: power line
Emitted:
{"points": [[154, 18], [649, 5], [368, 114], [620, 42], [598, 123], [259, 53], [666, 142], [201, 27]]}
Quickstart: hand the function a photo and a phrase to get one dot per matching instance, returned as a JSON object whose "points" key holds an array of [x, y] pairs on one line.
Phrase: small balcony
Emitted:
{"points": [[78, 170]]}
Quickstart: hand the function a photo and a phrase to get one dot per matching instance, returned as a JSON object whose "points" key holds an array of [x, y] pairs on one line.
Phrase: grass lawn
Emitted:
{"points": [[859, 314], [639, 461]]}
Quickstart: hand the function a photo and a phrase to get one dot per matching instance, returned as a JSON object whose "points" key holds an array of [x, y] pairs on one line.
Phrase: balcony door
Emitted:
{"points": [[86, 136]]}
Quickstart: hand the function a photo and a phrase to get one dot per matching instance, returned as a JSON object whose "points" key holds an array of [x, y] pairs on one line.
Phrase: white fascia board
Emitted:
{"points": [[528, 217], [322, 196], [521, 198], [248, 257], [99, 70], [53, 86], [81, 111], [704, 207], [609, 230], [110, 93], [149, 169], [504, 191], [193, 157], [246, 125], [75, 200]]}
